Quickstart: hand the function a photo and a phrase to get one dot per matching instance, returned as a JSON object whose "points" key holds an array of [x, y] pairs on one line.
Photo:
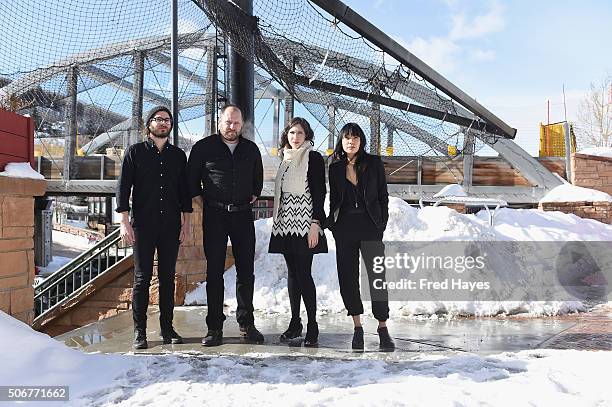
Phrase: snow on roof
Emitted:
{"points": [[451, 190], [573, 193], [20, 170], [598, 151]]}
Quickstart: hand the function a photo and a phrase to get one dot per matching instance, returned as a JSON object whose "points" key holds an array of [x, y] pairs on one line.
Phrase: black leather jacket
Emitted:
{"points": [[373, 186]]}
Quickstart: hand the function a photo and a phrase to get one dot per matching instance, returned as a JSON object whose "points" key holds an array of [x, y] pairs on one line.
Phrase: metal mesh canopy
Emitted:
{"points": [[96, 49]]}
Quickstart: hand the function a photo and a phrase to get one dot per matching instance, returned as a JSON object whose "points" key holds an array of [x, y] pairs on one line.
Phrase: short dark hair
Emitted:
{"points": [[294, 122]]}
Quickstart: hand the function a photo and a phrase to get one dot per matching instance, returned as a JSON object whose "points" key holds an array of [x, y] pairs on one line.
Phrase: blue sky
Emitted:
{"points": [[512, 56]]}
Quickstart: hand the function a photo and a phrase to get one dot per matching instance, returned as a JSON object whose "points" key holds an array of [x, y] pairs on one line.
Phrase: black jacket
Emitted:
{"points": [[225, 177], [316, 184], [373, 186], [157, 181]]}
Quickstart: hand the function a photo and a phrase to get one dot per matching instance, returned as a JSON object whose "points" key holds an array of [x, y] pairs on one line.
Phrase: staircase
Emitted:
{"points": [[78, 279]]}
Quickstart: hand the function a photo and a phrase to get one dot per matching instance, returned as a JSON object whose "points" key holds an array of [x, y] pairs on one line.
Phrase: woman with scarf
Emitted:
{"points": [[359, 210], [298, 214]]}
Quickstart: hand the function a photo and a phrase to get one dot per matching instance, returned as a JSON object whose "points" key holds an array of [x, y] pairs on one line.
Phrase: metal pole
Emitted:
{"points": [[468, 160], [137, 95], [375, 124], [331, 129], [289, 100], [71, 123], [390, 131], [568, 151], [210, 104], [174, 67], [276, 123], [242, 82]]}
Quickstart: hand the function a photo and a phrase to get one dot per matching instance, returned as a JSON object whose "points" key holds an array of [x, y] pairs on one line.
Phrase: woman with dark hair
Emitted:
{"points": [[359, 209], [298, 213]]}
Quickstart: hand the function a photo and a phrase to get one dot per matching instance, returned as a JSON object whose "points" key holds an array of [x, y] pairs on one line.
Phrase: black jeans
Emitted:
{"points": [[218, 225], [164, 238], [349, 232], [301, 285]]}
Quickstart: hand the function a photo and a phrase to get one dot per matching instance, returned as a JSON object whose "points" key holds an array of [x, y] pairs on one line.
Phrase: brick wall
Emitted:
{"points": [[591, 171], [17, 245], [599, 211]]}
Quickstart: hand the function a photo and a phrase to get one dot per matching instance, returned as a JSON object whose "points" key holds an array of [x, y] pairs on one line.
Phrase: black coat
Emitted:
{"points": [[372, 184], [218, 175]]}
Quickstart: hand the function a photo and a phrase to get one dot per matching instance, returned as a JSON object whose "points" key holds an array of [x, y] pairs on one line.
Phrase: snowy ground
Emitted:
{"points": [[542, 377], [407, 223]]}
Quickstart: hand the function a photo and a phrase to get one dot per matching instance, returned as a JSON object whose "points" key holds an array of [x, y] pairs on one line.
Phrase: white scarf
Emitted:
{"points": [[292, 173]]}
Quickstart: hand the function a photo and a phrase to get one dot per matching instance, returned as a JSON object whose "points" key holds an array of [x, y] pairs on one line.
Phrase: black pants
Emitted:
{"points": [[349, 232], [218, 225], [301, 285], [164, 238]]}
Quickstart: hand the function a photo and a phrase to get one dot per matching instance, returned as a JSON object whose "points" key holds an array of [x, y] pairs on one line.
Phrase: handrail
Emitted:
{"points": [[76, 275], [56, 274]]}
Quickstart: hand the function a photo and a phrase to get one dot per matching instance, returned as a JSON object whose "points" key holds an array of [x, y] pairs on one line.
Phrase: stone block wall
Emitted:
{"points": [[17, 245], [599, 211], [591, 171]]}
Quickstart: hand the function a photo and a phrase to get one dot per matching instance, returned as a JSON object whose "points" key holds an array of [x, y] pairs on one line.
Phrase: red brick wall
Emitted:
{"points": [[591, 171], [599, 211], [17, 245]]}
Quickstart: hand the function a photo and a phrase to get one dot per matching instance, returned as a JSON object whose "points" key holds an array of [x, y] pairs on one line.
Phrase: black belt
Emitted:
{"points": [[229, 207]]}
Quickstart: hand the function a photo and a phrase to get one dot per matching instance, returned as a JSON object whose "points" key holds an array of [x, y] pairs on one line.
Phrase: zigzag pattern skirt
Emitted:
{"points": [[290, 231]]}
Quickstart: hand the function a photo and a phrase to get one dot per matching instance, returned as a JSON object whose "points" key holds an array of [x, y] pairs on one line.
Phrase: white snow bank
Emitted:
{"points": [[407, 223], [535, 378], [32, 358], [20, 170], [598, 151], [573, 193], [451, 190]]}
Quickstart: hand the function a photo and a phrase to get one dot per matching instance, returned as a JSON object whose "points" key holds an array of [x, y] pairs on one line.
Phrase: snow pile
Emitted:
{"points": [[451, 190], [20, 170], [598, 151], [32, 358], [572, 193], [536, 378], [407, 223]]}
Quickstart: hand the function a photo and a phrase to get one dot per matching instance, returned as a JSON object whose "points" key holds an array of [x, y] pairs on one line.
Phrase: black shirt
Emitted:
{"points": [[159, 180], [353, 201], [220, 176]]}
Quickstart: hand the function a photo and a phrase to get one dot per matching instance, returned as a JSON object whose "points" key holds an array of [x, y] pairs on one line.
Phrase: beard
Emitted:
{"points": [[230, 135], [161, 133]]}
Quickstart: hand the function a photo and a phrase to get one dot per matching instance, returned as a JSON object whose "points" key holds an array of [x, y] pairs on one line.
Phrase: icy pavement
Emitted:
{"points": [[412, 336]]}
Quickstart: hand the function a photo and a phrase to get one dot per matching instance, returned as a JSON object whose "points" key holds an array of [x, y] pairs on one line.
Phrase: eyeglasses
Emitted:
{"points": [[162, 120]]}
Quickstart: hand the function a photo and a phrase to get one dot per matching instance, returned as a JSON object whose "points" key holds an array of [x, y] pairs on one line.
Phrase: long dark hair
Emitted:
{"points": [[284, 141], [350, 130]]}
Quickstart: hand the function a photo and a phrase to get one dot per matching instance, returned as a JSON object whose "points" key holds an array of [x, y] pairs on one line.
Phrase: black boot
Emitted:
{"points": [[171, 337], [294, 330], [358, 338], [386, 343], [140, 339], [214, 337], [312, 335], [251, 334]]}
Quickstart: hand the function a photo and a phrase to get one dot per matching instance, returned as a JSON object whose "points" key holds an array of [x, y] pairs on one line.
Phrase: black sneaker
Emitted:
{"points": [[294, 330], [251, 334], [312, 335], [386, 343], [140, 339], [214, 337], [171, 337], [358, 338]]}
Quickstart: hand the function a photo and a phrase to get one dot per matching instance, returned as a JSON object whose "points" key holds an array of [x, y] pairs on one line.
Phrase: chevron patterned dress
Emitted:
{"points": [[290, 231]]}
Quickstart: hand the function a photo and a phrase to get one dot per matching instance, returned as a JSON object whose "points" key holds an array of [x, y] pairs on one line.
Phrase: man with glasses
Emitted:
{"points": [[154, 171], [225, 170]]}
